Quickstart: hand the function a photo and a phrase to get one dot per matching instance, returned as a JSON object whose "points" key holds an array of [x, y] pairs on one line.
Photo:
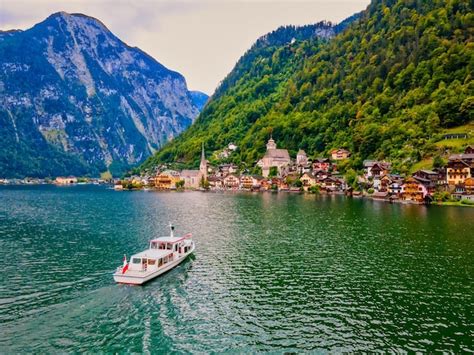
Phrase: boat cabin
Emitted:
{"points": [[162, 251]]}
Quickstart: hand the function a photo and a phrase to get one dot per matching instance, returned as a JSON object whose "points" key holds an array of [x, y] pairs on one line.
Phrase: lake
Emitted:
{"points": [[271, 272]]}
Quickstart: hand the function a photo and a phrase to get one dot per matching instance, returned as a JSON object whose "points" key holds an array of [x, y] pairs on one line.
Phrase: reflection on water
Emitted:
{"points": [[272, 272]]}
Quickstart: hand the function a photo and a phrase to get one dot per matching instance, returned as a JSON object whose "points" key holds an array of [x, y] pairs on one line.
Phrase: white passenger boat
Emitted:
{"points": [[163, 254]]}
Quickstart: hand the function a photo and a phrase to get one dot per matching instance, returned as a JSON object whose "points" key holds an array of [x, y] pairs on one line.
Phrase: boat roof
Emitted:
{"points": [[170, 239], [153, 253]]}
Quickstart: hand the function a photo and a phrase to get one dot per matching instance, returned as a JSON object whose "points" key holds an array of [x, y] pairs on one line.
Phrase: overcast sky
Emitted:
{"points": [[201, 39]]}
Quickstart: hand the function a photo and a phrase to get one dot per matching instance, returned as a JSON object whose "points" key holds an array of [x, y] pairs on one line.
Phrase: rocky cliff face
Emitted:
{"points": [[76, 99]]}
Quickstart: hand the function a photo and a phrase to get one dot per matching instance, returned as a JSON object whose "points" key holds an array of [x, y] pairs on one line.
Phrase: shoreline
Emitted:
{"points": [[236, 191]]}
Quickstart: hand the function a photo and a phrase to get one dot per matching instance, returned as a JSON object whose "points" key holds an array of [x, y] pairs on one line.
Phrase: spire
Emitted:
{"points": [[203, 165]]}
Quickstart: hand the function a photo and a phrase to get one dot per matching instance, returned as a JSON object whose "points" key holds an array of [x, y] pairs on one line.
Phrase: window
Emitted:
{"points": [[151, 262], [169, 246], [136, 261]]}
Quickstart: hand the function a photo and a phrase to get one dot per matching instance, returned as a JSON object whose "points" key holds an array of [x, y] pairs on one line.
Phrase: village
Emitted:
{"points": [[279, 172], [449, 184]]}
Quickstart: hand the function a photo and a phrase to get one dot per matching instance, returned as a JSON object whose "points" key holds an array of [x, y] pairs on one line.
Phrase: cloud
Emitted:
{"points": [[201, 39]]}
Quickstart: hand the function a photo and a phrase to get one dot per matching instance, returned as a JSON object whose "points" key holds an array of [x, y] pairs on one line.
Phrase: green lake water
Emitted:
{"points": [[271, 272]]}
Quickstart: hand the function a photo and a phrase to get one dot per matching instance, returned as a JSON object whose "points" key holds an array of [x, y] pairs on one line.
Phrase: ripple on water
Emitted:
{"points": [[271, 273]]}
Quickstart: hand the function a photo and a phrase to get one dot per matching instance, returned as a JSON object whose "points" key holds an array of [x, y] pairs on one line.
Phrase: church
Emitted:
{"points": [[192, 178], [279, 158]]}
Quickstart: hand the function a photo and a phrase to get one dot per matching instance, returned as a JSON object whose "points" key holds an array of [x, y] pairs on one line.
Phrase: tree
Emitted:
{"points": [[438, 162], [273, 171], [180, 184], [204, 183]]}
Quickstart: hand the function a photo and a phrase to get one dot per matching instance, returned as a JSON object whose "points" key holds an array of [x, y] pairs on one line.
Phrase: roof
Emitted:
{"points": [[469, 156], [428, 172], [277, 154], [460, 161], [339, 150], [170, 239], [169, 172], [190, 173], [370, 163], [153, 253]]}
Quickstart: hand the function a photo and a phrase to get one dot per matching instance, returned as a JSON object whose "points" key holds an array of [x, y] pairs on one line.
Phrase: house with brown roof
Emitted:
{"points": [[215, 182], [166, 180], [250, 182], [340, 154], [374, 168], [413, 190], [323, 164], [308, 180], [457, 171], [231, 182]]}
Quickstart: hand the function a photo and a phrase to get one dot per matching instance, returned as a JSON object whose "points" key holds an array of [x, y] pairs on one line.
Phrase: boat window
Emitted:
{"points": [[136, 260], [165, 260], [162, 246], [168, 246], [151, 262], [160, 262]]}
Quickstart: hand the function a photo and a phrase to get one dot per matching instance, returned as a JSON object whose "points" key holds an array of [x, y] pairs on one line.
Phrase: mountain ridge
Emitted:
{"points": [[85, 98]]}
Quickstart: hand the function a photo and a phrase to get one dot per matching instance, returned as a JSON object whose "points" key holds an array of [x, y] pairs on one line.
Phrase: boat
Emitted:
{"points": [[163, 254]]}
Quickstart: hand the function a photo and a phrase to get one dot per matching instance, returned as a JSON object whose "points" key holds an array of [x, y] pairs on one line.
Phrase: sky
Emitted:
{"points": [[201, 39]]}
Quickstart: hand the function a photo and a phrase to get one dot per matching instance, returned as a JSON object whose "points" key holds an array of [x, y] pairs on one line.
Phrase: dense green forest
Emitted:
{"points": [[386, 87]]}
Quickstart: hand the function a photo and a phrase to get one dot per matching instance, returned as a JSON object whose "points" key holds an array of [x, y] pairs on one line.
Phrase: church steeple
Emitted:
{"points": [[271, 143], [203, 165]]}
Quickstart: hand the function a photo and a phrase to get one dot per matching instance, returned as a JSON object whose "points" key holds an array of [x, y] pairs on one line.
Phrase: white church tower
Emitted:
{"points": [[203, 165]]}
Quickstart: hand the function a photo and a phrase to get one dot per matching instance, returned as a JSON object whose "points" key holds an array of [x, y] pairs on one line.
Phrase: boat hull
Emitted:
{"points": [[136, 279]]}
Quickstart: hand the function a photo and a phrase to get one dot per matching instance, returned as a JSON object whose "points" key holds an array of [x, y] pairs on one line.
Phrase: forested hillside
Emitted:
{"points": [[248, 92], [384, 88]]}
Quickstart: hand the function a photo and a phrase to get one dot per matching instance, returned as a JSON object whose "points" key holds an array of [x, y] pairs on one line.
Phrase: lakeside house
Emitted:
{"points": [[231, 182], [457, 171], [413, 190], [167, 180], [308, 180], [61, 180]]}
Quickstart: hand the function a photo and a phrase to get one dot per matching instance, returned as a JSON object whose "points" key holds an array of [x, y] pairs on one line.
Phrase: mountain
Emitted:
{"points": [[199, 99], [75, 99], [385, 87]]}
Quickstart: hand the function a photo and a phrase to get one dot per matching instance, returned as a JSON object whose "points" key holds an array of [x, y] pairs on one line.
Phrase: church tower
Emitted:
{"points": [[271, 144], [203, 165]]}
